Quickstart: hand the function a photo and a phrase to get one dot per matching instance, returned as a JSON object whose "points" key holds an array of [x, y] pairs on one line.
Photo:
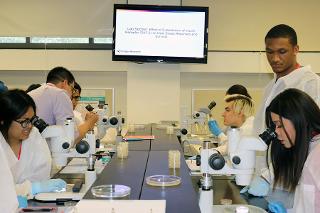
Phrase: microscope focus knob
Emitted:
{"points": [[97, 143], [216, 161], [113, 121], [184, 131], [65, 145], [82, 147], [236, 160], [198, 160]]}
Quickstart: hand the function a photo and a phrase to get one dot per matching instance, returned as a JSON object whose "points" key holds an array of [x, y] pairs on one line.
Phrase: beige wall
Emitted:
{"points": [[234, 26], [135, 83], [242, 25]]}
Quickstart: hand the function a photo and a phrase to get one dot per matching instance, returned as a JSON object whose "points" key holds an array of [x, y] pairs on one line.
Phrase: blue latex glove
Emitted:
{"points": [[214, 128], [258, 187], [23, 201], [277, 207], [50, 185]]}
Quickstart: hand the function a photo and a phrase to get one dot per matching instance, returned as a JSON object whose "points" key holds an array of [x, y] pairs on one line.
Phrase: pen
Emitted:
{"points": [[38, 209]]}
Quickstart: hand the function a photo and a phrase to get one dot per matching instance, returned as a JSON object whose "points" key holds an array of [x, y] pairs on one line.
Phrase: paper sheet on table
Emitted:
{"points": [[74, 169], [194, 169], [121, 206], [78, 162], [142, 137], [79, 165]]}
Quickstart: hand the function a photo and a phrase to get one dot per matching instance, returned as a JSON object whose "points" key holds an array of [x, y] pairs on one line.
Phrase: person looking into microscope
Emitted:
{"points": [[53, 101], [295, 153], [75, 99], [26, 151], [239, 109]]}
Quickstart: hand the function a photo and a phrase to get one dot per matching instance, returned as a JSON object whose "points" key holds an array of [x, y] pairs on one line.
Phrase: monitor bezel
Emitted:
{"points": [[161, 59]]}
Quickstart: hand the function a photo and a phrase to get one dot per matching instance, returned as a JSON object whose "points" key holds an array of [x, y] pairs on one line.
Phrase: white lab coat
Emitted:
{"points": [[245, 130], [34, 164], [302, 78], [8, 196], [307, 194]]}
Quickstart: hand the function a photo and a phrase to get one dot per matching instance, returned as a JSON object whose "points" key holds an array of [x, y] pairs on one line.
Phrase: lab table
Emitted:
{"points": [[150, 157], [129, 172], [182, 197], [164, 141], [143, 145]]}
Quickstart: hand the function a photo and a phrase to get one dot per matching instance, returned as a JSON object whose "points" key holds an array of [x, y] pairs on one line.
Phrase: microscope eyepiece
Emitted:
{"points": [[39, 123], [89, 108], [268, 135], [211, 105]]}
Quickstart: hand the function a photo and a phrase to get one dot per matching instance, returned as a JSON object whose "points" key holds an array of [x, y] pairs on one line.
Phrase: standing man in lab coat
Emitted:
{"points": [[281, 50]]}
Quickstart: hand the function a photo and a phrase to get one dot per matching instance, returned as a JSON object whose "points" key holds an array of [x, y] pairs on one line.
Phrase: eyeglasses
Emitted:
{"points": [[73, 90], [24, 123], [77, 98]]}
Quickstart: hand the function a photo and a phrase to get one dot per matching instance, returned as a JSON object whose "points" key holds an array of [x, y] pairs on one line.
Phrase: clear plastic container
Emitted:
{"points": [[111, 191], [163, 180]]}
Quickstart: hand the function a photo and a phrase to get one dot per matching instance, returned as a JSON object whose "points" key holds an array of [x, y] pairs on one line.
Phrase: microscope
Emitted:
{"points": [[105, 121], [200, 118], [61, 141], [240, 162]]}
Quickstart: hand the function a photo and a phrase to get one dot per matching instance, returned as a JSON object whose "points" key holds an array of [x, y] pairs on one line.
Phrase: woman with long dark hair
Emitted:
{"points": [[295, 154], [26, 150]]}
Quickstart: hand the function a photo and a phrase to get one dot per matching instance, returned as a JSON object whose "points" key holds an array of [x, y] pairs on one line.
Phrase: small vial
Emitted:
{"points": [[174, 159], [122, 150], [225, 201], [242, 209], [170, 130]]}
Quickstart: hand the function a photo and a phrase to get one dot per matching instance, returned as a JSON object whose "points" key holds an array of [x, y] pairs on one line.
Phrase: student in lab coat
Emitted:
{"points": [[295, 154], [26, 151], [281, 50], [8, 196], [75, 99], [239, 109]]}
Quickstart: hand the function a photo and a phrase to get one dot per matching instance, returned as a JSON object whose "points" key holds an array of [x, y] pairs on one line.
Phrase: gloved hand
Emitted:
{"points": [[258, 187], [214, 128], [50, 185], [276, 207], [23, 201]]}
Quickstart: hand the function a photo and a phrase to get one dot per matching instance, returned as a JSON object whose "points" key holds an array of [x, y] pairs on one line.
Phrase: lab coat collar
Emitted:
{"points": [[294, 76]]}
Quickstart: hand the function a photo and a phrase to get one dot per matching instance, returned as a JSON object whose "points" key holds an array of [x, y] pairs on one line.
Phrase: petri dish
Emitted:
{"points": [[163, 180], [111, 191]]}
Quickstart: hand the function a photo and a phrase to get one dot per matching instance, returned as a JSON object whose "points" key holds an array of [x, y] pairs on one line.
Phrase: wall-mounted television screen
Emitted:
{"points": [[149, 33]]}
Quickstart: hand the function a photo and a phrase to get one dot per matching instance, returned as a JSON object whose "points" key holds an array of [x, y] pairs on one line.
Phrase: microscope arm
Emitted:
{"points": [[252, 144]]}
